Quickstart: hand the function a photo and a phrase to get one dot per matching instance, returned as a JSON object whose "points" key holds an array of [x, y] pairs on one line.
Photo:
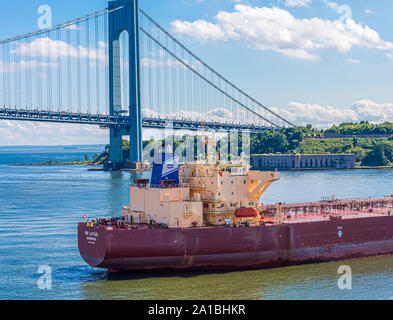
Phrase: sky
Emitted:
{"points": [[313, 61]]}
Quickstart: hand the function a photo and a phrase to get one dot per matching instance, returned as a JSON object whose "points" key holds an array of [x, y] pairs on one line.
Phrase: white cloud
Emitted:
{"points": [[320, 116], [72, 27], [368, 11], [276, 29], [315, 114], [218, 114], [48, 48], [200, 29], [326, 116], [332, 5], [373, 111], [15, 66], [297, 3], [221, 114], [40, 133]]}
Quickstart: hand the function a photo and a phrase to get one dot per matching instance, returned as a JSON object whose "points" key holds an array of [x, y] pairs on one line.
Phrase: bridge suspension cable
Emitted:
{"points": [[227, 96], [61, 25]]}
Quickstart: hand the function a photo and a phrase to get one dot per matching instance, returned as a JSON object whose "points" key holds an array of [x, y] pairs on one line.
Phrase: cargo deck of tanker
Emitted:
{"points": [[329, 209]]}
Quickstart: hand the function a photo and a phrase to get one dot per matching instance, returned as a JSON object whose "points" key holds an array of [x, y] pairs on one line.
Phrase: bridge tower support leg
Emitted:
{"points": [[116, 148], [125, 17]]}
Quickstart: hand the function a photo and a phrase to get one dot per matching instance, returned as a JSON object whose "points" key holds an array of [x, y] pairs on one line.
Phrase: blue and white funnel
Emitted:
{"points": [[165, 168]]}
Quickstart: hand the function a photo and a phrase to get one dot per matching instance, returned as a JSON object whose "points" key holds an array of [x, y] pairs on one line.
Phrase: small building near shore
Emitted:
{"points": [[298, 161]]}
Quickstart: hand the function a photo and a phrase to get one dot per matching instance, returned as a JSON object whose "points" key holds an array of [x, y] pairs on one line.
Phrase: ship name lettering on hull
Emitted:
{"points": [[91, 237]]}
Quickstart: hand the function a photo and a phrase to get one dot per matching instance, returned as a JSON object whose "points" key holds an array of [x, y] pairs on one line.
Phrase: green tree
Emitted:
{"points": [[347, 147], [376, 157], [269, 142], [364, 128]]}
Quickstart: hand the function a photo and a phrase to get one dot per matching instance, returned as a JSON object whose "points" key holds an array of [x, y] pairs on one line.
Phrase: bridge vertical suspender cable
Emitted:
{"points": [[88, 106], [97, 69], [205, 79], [216, 74]]}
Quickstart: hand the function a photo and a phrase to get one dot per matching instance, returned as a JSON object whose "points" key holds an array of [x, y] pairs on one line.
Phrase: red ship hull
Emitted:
{"points": [[235, 248]]}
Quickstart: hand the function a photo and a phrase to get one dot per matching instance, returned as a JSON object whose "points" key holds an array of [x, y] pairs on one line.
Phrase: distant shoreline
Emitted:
{"points": [[324, 169], [69, 163], [53, 146]]}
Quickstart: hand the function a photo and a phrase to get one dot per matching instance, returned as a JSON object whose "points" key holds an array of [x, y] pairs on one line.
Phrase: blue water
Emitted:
{"points": [[41, 206], [42, 154]]}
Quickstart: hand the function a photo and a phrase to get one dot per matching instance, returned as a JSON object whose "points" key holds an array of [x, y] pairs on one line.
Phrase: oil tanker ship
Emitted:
{"points": [[207, 215]]}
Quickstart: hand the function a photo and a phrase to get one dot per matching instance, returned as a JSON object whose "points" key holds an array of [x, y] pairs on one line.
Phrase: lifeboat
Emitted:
{"points": [[246, 213]]}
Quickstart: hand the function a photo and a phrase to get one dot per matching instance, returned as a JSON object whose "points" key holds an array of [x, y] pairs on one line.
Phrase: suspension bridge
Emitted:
{"points": [[119, 69]]}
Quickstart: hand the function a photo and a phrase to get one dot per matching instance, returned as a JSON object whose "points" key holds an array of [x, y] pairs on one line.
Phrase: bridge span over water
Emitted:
{"points": [[119, 69]]}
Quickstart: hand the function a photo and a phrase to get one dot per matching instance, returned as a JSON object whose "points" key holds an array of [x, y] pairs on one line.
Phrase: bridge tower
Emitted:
{"points": [[125, 19]]}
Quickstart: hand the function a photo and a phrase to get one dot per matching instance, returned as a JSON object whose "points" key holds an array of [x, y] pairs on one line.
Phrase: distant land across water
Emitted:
{"points": [[41, 154]]}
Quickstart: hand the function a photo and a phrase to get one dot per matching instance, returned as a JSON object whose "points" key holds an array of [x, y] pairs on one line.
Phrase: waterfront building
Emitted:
{"points": [[298, 161]]}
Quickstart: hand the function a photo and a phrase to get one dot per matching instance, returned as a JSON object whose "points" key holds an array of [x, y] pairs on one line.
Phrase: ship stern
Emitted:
{"points": [[92, 245]]}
